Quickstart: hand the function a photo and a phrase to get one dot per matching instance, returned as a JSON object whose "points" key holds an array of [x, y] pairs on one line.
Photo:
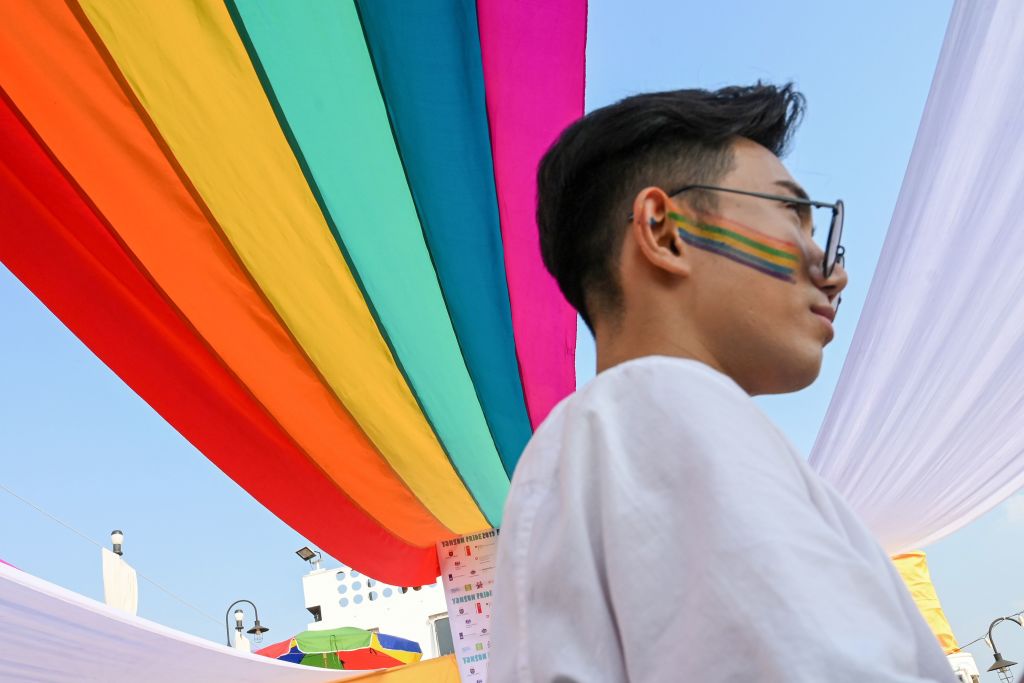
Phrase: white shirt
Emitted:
{"points": [[661, 528]]}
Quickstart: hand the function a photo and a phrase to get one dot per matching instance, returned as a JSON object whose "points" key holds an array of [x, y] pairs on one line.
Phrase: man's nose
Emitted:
{"points": [[835, 283]]}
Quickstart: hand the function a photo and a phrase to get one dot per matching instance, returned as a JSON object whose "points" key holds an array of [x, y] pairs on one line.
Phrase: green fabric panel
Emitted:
{"points": [[346, 638], [317, 70], [323, 661]]}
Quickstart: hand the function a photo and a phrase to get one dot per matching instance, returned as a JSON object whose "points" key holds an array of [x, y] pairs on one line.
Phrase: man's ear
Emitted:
{"points": [[656, 234]]}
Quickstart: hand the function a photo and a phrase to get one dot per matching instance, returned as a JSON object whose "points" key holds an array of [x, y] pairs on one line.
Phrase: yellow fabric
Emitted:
{"points": [[439, 670], [188, 67], [913, 567]]}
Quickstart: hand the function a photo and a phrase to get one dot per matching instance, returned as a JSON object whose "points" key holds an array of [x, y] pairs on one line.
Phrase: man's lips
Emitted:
{"points": [[826, 312]]}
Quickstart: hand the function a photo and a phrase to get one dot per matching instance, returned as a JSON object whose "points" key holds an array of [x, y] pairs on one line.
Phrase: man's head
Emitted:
{"points": [[673, 278]]}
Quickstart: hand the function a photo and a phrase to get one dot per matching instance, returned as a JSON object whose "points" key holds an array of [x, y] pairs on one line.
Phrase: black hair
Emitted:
{"points": [[587, 180]]}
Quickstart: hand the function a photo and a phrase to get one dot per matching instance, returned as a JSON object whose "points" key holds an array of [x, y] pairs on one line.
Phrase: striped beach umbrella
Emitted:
{"points": [[345, 648]]}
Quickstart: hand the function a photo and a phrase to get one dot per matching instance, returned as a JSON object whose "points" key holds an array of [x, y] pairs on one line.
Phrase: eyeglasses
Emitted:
{"points": [[835, 253]]}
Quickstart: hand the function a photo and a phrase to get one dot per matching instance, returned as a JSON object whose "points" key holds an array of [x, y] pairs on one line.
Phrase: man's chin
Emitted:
{"points": [[805, 376], [794, 377]]}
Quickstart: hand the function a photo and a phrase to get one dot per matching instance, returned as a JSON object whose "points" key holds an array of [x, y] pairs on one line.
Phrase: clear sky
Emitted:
{"points": [[76, 442]]}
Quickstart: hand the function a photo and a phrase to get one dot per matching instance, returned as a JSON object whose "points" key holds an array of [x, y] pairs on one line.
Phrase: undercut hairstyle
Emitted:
{"points": [[588, 179]]}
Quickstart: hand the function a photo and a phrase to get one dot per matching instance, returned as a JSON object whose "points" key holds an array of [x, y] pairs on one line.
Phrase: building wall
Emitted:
{"points": [[347, 598]]}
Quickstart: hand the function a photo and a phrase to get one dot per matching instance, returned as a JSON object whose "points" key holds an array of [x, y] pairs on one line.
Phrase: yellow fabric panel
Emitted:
{"points": [[400, 655], [913, 567], [189, 69], [438, 670]]}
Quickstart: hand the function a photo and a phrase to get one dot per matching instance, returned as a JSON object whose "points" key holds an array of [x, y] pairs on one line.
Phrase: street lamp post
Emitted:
{"points": [[116, 540], [1001, 665], [256, 631]]}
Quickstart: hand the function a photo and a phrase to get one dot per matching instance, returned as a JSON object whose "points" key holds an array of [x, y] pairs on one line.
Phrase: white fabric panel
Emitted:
{"points": [[120, 583], [926, 428], [52, 635]]}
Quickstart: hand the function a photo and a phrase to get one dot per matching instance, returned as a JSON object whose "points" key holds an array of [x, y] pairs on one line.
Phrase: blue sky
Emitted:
{"points": [[75, 441]]}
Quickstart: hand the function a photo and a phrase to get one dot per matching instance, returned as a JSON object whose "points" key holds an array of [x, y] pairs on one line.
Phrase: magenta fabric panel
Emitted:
{"points": [[534, 55]]}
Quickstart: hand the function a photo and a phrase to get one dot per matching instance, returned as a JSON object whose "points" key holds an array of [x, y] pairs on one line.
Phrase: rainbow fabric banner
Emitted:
{"points": [[303, 233]]}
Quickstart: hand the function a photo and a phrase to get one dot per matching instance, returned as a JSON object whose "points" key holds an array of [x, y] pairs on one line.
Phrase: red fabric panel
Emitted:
{"points": [[367, 660], [61, 248], [276, 650]]}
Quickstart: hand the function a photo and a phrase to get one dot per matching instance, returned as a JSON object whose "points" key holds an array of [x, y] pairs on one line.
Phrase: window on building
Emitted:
{"points": [[442, 634]]}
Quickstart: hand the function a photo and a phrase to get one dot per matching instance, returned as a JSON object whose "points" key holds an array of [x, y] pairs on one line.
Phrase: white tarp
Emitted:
{"points": [[120, 583], [52, 635], [926, 428]]}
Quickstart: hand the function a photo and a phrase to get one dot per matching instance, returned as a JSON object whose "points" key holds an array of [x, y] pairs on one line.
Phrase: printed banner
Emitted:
{"points": [[467, 573]]}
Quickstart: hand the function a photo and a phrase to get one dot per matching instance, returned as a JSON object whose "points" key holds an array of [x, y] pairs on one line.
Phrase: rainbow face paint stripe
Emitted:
{"points": [[770, 256]]}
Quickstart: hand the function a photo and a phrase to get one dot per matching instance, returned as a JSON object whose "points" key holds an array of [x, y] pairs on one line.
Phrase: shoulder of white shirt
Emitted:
{"points": [[662, 365], [612, 379]]}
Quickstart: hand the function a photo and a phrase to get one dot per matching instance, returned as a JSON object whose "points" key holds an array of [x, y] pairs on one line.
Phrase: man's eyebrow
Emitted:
{"points": [[798, 191]]}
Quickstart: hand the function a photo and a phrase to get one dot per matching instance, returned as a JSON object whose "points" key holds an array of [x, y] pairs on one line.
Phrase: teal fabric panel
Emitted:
{"points": [[427, 56], [317, 71]]}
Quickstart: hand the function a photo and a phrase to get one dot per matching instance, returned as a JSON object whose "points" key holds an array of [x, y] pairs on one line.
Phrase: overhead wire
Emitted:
{"points": [[983, 636], [72, 529]]}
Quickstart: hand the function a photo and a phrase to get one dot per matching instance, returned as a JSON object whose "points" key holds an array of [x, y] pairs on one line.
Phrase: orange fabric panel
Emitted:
{"points": [[438, 670], [56, 77], [62, 249], [913, 567]]}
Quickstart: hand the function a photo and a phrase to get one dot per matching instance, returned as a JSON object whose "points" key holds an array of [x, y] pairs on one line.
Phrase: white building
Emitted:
{"points": [[344, 597], [964, 667]]}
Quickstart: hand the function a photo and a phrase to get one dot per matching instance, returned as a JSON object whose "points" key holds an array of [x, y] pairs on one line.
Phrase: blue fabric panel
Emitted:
{"points": [[396, 643], [427, 58]]}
